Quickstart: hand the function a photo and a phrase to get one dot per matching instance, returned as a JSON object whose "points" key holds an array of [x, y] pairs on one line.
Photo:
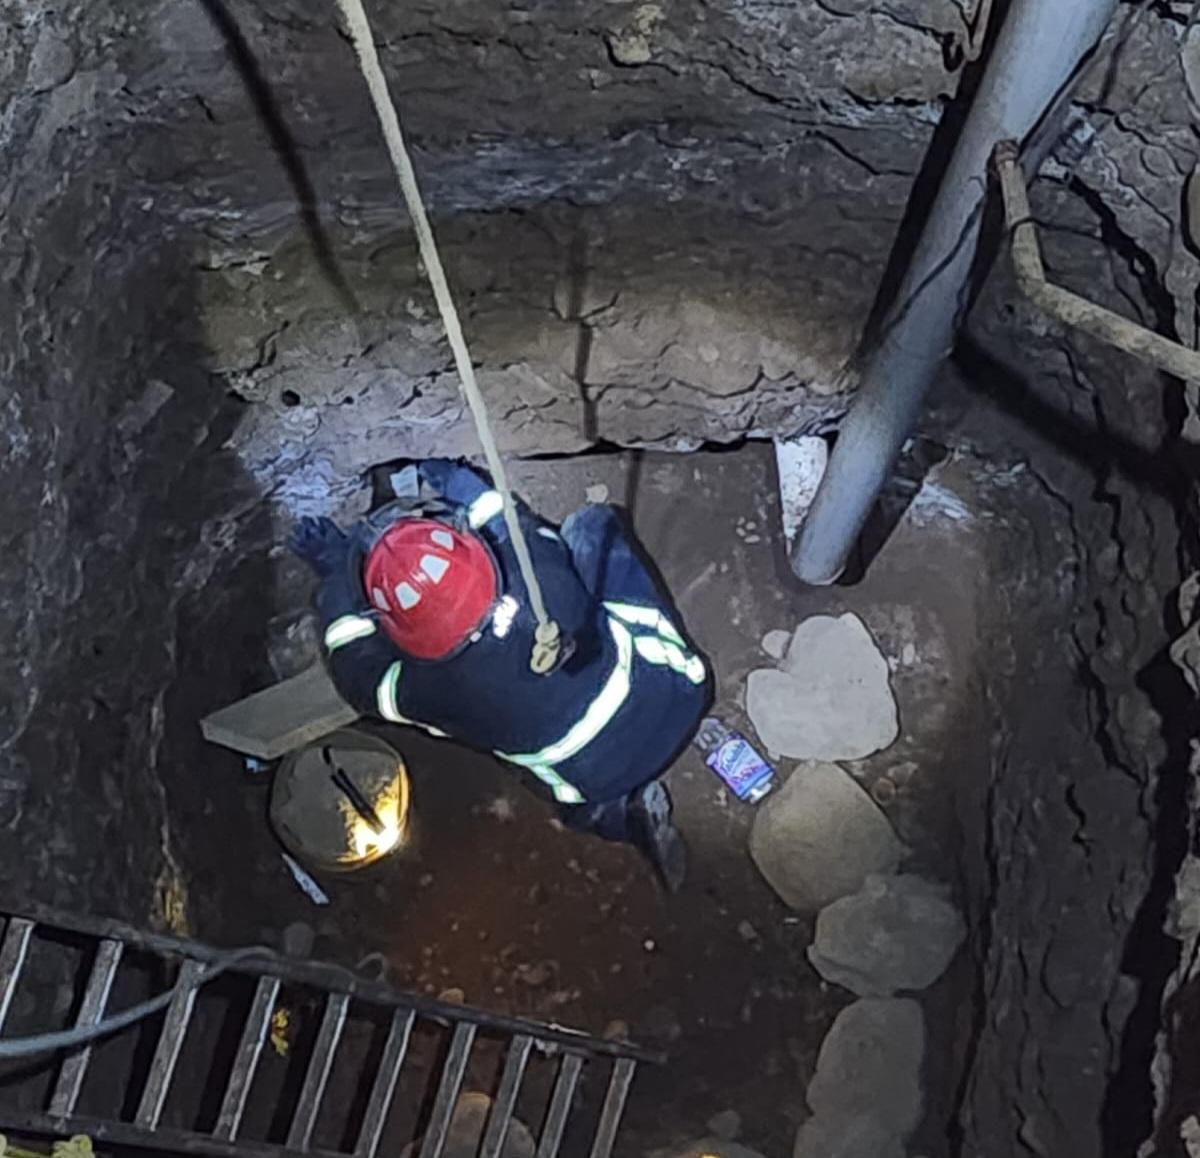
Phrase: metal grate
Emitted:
{"points": [[106, 945]]}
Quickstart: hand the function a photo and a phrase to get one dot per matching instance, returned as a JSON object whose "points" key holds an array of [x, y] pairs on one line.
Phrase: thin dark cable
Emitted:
{"points": [[22, 1047]]}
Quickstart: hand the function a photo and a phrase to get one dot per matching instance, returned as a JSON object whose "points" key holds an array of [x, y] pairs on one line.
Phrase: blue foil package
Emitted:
{"points": [[747, 774]]}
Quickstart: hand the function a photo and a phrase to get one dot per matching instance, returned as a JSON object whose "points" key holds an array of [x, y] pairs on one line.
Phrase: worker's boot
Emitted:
{"points": [[652, 832]]}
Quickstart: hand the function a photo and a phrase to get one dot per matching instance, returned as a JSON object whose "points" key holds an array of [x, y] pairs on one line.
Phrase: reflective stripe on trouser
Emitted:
{"points": [[563, 792], [599, 713], [666, 647], [346, 629], [386, 702], [486, 507]]}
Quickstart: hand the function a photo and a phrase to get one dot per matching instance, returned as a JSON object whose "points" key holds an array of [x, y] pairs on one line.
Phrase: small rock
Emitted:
{"points": [[426, 880], [596, 493], [51, 63], [1189, 1135], [898, 932], [726, 1125], [298, 939], [775, 643], [534, 975], [629, 48], [883, 791], [832, 700], [747, 932], [616, 1030], [819, 836], [649, 944], [453, 996], [869, 1066]]}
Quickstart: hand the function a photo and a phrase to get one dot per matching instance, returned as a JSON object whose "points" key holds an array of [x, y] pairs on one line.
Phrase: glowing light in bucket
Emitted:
{"points": [[391, 807]]}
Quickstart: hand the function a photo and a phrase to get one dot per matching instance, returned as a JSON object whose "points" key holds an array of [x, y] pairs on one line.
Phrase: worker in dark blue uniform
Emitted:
{"points": [[427, 622]]}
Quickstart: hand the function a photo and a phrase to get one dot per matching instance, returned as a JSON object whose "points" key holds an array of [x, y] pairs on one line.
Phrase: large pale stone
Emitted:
{"points": [[869, 1066], [819, 836], [897, 932], [831, 700]]}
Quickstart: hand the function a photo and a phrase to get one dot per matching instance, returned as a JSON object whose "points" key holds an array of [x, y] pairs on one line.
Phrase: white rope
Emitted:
{"points": [[546, 649]]}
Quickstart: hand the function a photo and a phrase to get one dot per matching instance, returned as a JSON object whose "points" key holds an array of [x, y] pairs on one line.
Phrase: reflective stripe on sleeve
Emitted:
{"points": [[484, 509], [385, 695], [346, 629], [386, 702]]}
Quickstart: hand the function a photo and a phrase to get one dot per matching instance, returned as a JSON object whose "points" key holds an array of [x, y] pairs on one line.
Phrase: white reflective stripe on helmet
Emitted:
{"points": [[599, 713], [485, 508], [651, 617], [385, 695], [346, 629], [661, 651]]}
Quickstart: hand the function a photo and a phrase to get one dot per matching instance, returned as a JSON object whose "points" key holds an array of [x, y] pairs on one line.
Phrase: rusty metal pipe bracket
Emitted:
{"points": [[1067, 307]]}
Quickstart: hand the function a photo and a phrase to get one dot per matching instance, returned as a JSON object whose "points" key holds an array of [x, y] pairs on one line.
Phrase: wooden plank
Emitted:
{"points": [[281, 718]]}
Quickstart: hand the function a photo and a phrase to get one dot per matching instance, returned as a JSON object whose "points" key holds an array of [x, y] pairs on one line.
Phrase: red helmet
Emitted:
{"points": [[433, 584]]}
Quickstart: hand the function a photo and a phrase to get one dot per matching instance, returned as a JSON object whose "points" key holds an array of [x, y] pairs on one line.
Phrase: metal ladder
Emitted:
{"points": [[103, 945]]}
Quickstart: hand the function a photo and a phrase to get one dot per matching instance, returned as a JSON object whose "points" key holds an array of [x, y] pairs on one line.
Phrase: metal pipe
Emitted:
{"points": [[1069, 308], [1037, 54]]}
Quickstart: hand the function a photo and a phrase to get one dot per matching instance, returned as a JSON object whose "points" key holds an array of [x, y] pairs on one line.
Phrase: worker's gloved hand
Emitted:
{"points": [[321, 543], [454, 481]]}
